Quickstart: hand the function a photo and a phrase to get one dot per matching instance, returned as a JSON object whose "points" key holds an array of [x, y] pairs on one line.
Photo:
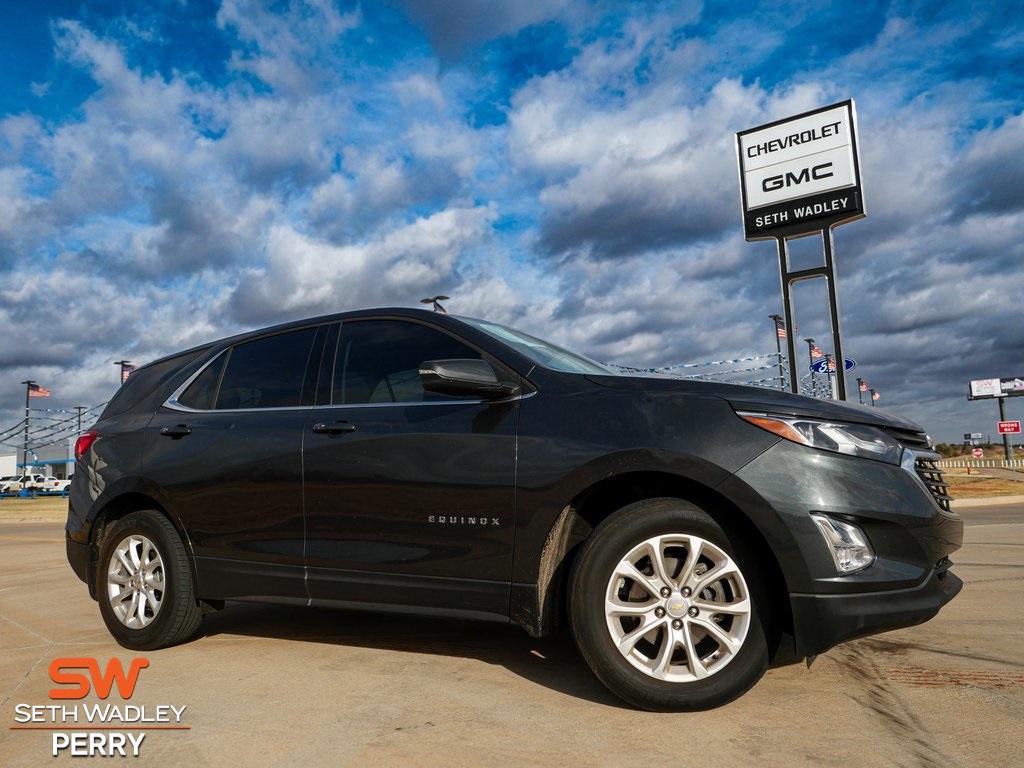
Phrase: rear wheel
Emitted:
{"points": [[146, 591], [663, 608]]}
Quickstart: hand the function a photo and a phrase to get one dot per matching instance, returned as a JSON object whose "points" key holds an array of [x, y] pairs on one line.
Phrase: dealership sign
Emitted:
{"points": [[985, 388], [801, 174]]}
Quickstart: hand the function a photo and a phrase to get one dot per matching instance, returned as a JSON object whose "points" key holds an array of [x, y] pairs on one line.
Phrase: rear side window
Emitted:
{"points": [[202, 394], [145, 380], [378, 361], [265, 373]]}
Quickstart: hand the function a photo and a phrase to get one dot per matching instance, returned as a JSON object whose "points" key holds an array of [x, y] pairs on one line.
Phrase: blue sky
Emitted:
{"points": [[172, 172]]}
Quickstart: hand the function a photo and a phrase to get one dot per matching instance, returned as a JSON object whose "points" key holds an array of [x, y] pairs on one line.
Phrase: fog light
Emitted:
{"points": [[850, 549]]}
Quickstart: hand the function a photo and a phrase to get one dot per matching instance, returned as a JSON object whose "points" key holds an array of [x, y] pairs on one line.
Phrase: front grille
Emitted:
{"points": [[931, 476], [913, 439]]}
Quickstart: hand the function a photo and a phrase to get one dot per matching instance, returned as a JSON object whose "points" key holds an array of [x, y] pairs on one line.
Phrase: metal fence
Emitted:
{"points": [[981, 463]]}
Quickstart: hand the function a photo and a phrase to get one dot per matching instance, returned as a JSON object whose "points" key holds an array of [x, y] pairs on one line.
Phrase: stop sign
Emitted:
{"points": [[977, 453]]}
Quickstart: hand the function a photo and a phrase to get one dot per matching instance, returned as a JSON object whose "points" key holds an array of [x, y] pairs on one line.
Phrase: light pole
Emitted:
{"points": [[873, 398], [860, 390]]}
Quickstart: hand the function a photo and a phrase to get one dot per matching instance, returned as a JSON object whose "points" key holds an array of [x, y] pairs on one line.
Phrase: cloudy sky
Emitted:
{"points": [[174, 171]]}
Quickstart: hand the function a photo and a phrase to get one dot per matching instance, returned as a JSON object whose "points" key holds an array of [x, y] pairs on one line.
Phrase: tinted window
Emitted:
{"points": [[145, 380], [378, 361], [202, 393], [267, 373], [540, 351]]}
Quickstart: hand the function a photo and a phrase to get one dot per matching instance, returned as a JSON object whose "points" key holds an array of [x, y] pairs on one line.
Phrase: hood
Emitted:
{"points": [[745, 398]]}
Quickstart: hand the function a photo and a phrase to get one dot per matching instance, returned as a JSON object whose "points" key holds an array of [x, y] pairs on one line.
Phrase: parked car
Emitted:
{"points": [[51, 484], [10, 484], [32, 482], [398, 460]]}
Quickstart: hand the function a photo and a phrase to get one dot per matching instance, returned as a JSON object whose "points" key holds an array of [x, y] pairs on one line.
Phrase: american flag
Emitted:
{"points": [[34, 390], [831, 363], [126, 371], [863, 386], [780, 328], [816, 352], [875, 396]]}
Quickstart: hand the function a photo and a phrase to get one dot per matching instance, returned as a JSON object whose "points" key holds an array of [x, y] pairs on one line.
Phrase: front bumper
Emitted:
{"points": [[823, 621], [911, 534]]}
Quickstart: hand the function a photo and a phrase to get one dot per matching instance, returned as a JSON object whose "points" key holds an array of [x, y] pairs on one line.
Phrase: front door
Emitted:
{"points": [[409, 495]]}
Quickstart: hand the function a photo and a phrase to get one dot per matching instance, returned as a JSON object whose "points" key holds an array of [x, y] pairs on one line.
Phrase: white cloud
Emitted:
{"points": [[304, 276]]}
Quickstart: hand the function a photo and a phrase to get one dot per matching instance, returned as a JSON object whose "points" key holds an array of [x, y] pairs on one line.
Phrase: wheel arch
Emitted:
{"points": [[602, 499], [120, 507]]}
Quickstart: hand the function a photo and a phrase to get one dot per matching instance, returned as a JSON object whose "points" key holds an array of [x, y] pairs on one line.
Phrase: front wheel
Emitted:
{"points": [[146, 592], [663, 610]]}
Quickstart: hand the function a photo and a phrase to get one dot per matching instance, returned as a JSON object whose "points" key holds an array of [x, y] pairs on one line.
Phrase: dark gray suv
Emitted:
{"points": [[399, 460]]}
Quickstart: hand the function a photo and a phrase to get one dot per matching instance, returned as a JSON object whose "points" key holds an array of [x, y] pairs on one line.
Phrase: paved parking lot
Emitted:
{"points": [[268, 685]]}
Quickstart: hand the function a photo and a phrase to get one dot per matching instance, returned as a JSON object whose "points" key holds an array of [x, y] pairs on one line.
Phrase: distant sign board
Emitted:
{"points": [[1009, 427], [821, 366], [985, 388], [972, 435], [801, 174]]}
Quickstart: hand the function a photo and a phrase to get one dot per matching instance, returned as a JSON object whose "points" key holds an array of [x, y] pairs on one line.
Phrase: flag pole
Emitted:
{"points": [[810, 356], [778, 348], [24, 452]]}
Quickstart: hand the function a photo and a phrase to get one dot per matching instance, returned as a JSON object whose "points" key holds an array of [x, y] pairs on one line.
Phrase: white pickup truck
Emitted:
{"points": [[33, 482]]}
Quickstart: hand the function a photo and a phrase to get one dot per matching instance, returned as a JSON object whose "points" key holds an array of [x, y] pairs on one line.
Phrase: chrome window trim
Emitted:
{"points": [[172, 402]]}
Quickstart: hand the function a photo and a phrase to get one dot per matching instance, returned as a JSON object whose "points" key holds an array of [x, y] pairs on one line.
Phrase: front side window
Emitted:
{"points": [[378, 361]]}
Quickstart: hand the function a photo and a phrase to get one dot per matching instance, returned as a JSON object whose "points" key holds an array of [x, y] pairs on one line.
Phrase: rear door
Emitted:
{"points": [[409, 496], [226, 456]]}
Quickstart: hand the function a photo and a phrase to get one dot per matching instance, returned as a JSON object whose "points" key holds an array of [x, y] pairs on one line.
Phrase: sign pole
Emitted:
{"points": [[787, 308], [833, 305], [1006, 436], [826, 271]]}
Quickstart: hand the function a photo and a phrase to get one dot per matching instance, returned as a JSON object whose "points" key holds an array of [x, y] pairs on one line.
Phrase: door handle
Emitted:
{"points": [[334, 428], [176, 432]]}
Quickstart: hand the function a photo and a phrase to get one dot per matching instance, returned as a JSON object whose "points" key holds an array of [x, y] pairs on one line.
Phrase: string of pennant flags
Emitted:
{"points": [[682, 366], [60, 429]]}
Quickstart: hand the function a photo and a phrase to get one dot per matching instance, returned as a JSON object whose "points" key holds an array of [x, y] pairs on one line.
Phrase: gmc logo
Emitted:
{"points": [[772, 183]]}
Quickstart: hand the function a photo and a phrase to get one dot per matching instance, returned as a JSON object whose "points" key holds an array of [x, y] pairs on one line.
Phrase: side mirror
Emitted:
{"points": [[465, 377]]}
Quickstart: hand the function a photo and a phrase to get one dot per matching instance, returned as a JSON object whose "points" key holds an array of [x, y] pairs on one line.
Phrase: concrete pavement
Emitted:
{"points": [[265, 685]]}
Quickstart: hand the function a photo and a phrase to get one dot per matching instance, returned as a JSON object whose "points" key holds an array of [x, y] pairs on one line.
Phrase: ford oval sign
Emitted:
{"points": [[821, 366]]}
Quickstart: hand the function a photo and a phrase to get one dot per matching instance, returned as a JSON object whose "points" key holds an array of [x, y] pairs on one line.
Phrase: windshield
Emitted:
{"points": [[538, 350]]}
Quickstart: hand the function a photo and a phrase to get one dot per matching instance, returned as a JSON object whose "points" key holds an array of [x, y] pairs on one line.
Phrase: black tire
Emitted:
{"points": [[144, 584], [677, 664]]}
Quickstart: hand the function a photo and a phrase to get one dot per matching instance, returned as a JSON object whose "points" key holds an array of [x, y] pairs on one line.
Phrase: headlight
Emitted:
{"points": [[851, 439]]}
